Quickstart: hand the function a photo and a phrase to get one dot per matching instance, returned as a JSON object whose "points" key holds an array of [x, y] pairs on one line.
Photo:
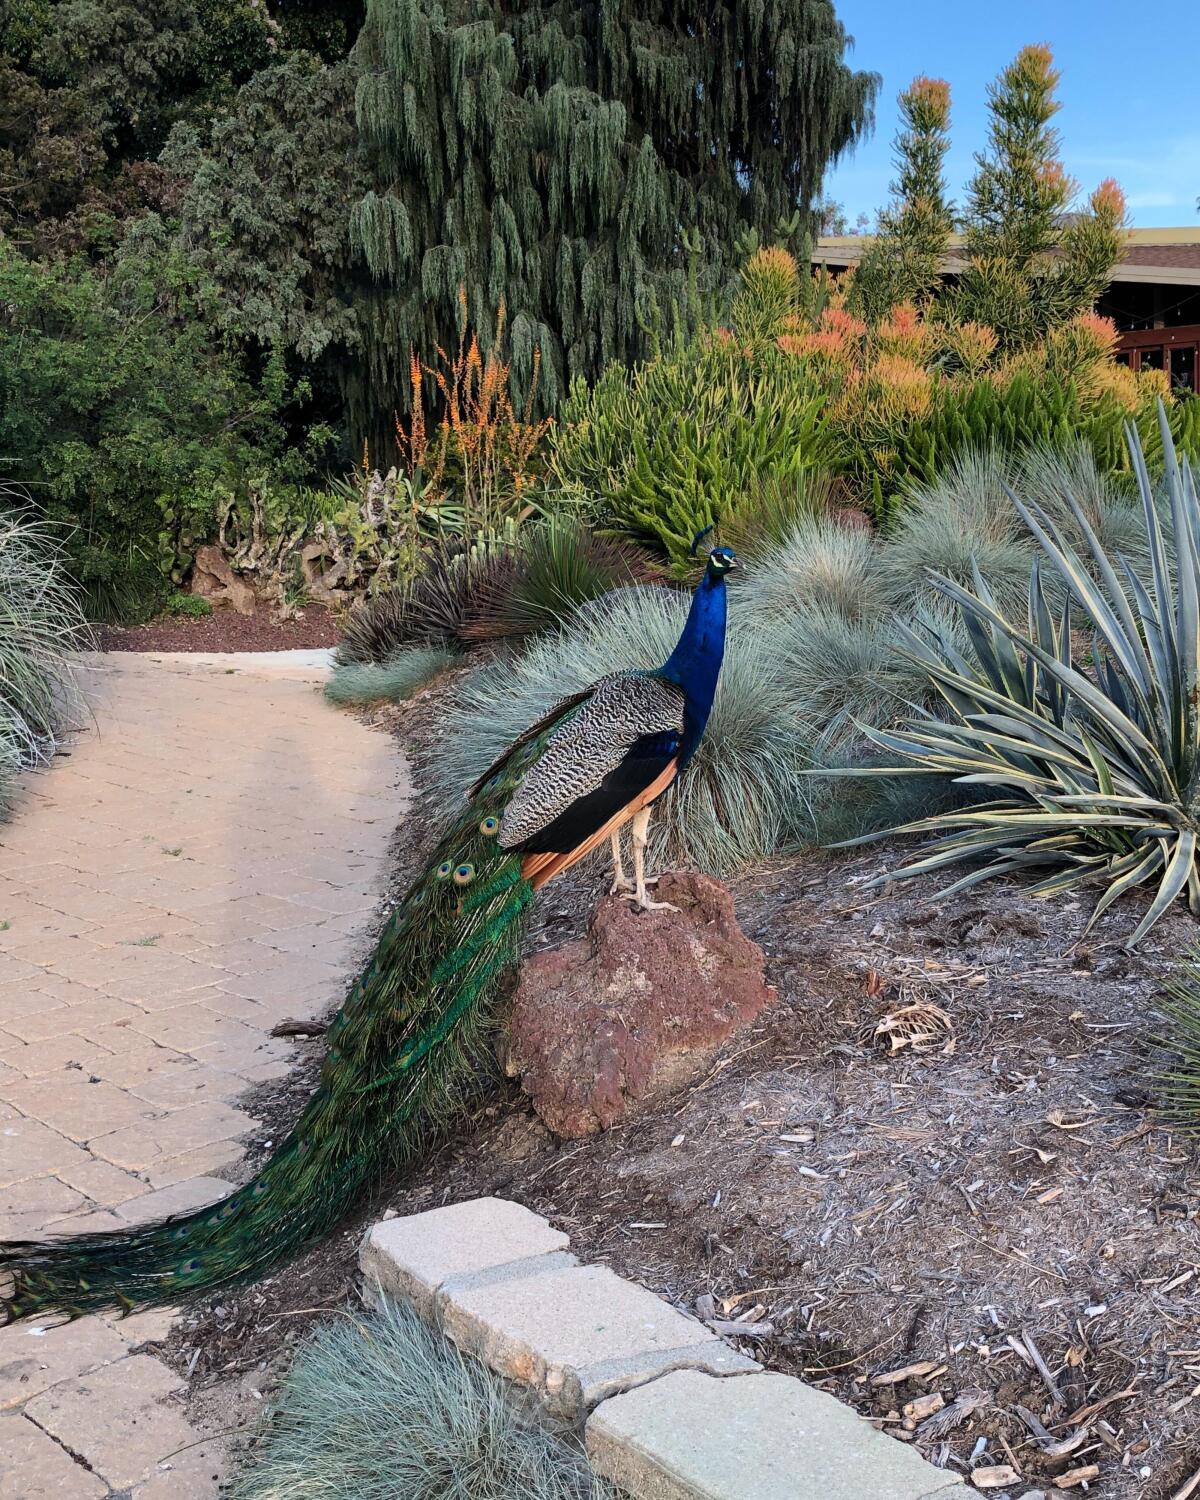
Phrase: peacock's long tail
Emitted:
{"points": [[395, 1048]]}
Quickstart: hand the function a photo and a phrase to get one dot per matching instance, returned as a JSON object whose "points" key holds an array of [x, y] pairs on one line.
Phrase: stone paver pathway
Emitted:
{"points": [[203, 864]]}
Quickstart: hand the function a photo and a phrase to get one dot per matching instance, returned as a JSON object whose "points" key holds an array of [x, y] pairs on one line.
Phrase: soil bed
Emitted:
{"points": [[1003, 1201], [223, 630]]}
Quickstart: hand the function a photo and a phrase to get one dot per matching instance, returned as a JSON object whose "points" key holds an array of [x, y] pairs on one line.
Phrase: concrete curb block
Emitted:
{"points": [[671, 1411]]}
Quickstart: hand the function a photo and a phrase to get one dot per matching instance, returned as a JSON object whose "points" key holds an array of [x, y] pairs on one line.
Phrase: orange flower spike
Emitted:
{"points": [[838, 320], [929, 100], [1108, 201], [1036, 62]]}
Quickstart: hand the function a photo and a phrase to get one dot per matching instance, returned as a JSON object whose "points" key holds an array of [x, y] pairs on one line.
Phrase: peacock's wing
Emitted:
{"points": [[611, 755], [547, 722]]}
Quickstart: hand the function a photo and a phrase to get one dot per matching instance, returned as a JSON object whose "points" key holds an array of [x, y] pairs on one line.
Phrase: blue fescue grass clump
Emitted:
{"points": [[41, 624], [398, 677], [378, 1407]]}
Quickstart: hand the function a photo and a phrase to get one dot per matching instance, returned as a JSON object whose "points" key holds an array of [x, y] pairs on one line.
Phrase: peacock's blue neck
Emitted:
{"points": [[695, 663]]}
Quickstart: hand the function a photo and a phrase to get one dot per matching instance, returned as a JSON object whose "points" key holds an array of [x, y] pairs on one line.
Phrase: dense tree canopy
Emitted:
{"points": [[558, 158]]}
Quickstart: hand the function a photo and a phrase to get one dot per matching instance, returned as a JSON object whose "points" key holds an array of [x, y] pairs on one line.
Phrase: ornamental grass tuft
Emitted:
{"points": [[377, 1406], [41, 623], [392, 680]]}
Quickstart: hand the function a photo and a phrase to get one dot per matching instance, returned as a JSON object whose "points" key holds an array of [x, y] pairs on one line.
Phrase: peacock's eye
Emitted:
{"points": [[489, 826], [445, 870], [464, 874]]}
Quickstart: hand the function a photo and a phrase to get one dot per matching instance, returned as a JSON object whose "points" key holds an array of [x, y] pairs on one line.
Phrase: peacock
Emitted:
{"points": [[409, 1031]]}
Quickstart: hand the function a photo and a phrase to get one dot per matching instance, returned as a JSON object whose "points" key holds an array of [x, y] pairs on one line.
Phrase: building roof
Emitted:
{"points": [[1166, 255]]}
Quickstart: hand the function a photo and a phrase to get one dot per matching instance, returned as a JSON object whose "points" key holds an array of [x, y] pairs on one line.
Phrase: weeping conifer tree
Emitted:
{"points": [[566, 158]]}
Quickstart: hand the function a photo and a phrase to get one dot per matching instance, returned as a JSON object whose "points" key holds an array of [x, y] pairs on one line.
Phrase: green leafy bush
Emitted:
{"points": [[553, 568], [772, 509], [127, 419], [378, 1406], [1094, 768], [189, 606], [1029, 410], [674, 445], [432, 610]]}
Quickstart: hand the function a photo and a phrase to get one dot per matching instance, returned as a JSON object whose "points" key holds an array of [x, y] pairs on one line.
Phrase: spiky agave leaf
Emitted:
{"points": [[1096, 774]]}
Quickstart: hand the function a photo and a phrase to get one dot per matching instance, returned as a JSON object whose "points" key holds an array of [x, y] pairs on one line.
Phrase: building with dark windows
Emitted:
{"points": [[1153, 298]]}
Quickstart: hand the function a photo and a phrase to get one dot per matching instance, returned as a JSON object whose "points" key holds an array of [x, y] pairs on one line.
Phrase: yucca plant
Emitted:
{"points": [[1094, 766]]}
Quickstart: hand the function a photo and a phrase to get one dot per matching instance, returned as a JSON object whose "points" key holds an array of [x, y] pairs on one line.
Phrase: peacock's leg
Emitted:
{"points": [[639, 828], [621, 882]]}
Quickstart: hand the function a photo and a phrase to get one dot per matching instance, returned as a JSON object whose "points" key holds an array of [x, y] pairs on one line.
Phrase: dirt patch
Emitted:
{"points": [[224, 630], [996, 1198]]}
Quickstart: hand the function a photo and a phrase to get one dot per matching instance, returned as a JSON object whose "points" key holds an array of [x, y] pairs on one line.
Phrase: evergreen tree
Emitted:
{"points": [[1030, 265], [264, 213], [559, 159], [902, 263]]}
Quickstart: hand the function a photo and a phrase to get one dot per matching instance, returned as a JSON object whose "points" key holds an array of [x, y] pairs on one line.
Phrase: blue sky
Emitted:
{"points": [[1128, 90]]}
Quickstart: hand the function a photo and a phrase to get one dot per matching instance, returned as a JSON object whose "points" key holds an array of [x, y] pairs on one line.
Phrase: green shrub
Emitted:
{"points": [[189, 606], [40, 624], [960, 521], [773, 507], [821, 565], [128, 418], [376, 1406], [965, 520], [1026, 411], [398, 677], [1094, 772], [842, 671], [430, 611], [673, 446]]}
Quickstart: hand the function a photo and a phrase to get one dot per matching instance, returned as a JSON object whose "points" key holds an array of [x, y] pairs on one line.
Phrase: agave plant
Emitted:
{"points": [[1093, 764]]}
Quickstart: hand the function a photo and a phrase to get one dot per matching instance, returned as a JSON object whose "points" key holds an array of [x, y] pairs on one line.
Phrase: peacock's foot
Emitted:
{"points": [[621, 886], [644, 903]]}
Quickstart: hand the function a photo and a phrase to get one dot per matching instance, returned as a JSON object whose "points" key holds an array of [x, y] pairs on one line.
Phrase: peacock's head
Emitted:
{"points": [[721, 560]]}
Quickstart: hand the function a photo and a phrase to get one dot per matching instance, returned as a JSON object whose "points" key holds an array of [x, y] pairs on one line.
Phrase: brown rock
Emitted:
{"points": [[213, 578], [638, 1009]]}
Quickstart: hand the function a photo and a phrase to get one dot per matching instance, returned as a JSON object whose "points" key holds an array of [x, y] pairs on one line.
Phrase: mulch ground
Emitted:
{"points": [[223, 630], [997, 1220]]}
